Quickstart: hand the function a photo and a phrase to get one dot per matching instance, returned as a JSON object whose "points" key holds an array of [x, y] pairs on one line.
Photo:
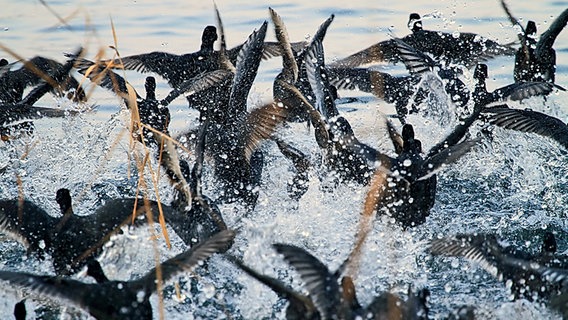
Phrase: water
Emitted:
{"points": [[513, 185]]}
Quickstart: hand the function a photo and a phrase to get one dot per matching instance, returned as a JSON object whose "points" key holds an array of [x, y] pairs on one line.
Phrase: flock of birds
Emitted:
{"points": [[216, 83]]}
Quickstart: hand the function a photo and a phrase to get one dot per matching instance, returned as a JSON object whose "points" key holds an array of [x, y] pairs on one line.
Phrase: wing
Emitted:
{"points": [[322, 29], [277, 286], [529, 121], [299, 159], [322, 286], [395, 137], [447, 156], [25, 222], [524, 90], [415, 62], [293, 98], [548, 37], [482, 249], [186, 260], [515, 22], [289, 67], [70, 290], [51, 82], [157, 62], [197, 84], [315, 69], [104, 77], [197, 171], [220, 28], [376, 53], [248, 62], [261, 124], [13, 113], [363, 79]]}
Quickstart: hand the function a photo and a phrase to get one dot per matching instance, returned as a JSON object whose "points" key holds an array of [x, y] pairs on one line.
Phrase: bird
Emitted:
{"points": [[334, 295], [204, 218], [234, 137], [401, 90], [176, 69], [33, 72], [75, 239], [118, 299], [529, 275], [536, 60], [193, 216], [71, 239], [24, 108], [466, 49], [152, 112], [291, 86], [412, 180]]}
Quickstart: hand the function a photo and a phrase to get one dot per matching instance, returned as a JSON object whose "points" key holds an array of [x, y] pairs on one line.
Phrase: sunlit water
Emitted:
{"points": [[513, 185]]}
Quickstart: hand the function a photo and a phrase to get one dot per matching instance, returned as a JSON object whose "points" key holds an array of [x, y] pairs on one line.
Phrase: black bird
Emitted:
{"points": [[530, 121], [118, 299], [70, 240], [291, 86], [193, 216], [204, 218], [32, 73], [150, 111], [411, 176], [233, 138], [177, 69], [400, 90], [528, 274], [75, 239], [410, 191], [536, 60], [466, 49], [24, 109], [334, 295]]}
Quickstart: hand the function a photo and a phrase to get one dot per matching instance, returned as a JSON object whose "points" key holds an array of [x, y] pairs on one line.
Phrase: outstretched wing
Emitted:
{"points": [[524, 90], [321, 284], [548, 37], [529, 121], [289, 67], [248, 62], [186, 260], [70, 290]]}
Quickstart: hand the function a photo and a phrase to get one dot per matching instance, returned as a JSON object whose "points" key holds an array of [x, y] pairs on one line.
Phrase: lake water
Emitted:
{"points": [[514, 185]]}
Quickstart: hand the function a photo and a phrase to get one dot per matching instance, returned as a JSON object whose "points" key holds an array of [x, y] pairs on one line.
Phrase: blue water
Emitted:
{"points": [[514, 185]]}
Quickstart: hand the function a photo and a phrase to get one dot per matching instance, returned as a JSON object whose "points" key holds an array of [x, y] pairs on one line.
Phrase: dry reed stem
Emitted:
{"points": [[374, 195]]}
